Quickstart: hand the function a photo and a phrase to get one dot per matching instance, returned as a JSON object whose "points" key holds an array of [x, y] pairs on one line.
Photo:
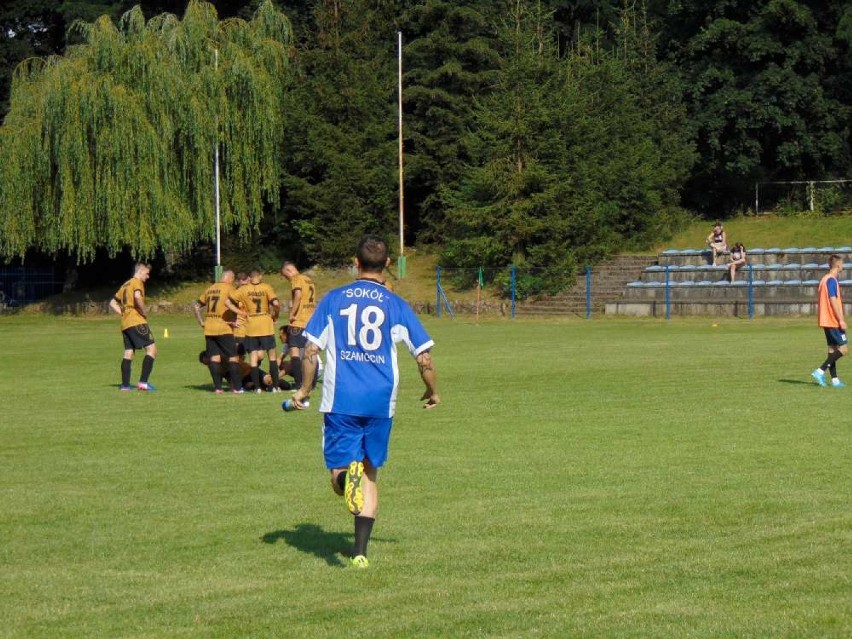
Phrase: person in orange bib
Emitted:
{"points": [[833, 321]]}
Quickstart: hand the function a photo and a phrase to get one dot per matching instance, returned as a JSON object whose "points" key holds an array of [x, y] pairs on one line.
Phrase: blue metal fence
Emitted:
{"points": [[469, 278], [22, 285]]}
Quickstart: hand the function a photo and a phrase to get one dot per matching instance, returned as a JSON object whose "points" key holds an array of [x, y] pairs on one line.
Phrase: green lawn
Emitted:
{"points": [[772, 231], [582, 479]]}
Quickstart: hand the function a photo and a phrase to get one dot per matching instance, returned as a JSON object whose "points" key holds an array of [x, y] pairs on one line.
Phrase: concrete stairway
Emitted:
{"points": [[608, 282], [776, 282]]}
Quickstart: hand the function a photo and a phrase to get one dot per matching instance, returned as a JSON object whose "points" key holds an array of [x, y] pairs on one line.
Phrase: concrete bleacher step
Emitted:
{"points": [[711, 308], [783, 282], [608, 282], [773, 255]]}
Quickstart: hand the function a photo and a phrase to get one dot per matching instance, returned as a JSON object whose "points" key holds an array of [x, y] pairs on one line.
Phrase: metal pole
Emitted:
{"points": [[217, 271], [588, 291], [401, 167], [513, 291], [668, 295], [438, 289], [479, 280], [750, 292], [757, 198]]}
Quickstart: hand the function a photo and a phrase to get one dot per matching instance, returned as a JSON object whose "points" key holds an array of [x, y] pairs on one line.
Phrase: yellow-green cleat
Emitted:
{"points": [[359, 561], [353, 493]]}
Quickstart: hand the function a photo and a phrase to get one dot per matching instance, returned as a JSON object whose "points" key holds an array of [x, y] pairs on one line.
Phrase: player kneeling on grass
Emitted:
{"points": [[358, 326], [245, 381]]}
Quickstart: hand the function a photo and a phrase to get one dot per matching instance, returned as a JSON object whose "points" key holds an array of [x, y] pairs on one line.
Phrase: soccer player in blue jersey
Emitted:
{"points": [[358, 326]]}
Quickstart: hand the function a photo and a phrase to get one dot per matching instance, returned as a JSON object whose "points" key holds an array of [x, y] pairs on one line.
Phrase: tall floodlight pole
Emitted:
{"points": [[401, 261], [217, 271]]}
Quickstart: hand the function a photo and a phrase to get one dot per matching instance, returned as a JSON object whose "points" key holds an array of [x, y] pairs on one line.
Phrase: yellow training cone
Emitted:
{"points": [[166, 334]]}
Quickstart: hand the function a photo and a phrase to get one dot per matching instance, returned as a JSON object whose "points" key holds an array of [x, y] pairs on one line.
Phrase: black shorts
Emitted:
{"points": [[241, 345], [223, 345], [262, 343], [835, 337], [296, 337], [137, 337]]}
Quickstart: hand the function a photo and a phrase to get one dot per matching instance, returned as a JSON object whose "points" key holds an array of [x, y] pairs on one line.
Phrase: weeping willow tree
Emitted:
{"points": [[111, 145]]}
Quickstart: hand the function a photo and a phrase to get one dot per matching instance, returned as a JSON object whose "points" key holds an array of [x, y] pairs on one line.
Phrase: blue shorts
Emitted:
{"points": [[835, 337], [347, 438]]}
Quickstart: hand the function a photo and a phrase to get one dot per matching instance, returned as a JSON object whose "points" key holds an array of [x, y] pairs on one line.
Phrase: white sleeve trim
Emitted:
{"points": [[424, 347]]}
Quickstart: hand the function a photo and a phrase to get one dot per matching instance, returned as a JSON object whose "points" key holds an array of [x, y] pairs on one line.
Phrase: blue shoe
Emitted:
{"points": [[819, 377], [124, 388], [836, 383], [145, 386]]}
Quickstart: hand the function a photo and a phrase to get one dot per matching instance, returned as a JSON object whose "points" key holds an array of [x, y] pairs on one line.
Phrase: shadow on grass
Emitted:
{"points": [[208, 388], [796, 381], [312, 539]]}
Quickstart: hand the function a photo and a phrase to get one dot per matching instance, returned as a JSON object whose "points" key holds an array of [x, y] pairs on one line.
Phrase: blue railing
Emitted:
{"points": [[22, 285]]}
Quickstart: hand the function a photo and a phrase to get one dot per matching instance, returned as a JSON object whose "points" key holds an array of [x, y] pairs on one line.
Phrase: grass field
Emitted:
{"points": [[581, 479], [771, 231]]}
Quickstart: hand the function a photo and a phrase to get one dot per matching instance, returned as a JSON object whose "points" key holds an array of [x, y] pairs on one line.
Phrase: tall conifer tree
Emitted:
{"points": [[340, 177]]}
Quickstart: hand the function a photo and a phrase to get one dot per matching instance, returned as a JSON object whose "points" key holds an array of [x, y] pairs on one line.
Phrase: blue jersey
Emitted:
{"points": [[358, 326]]}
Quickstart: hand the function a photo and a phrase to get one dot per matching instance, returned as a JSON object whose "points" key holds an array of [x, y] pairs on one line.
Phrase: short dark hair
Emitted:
{"points": [[372, 254], [834, 260]]}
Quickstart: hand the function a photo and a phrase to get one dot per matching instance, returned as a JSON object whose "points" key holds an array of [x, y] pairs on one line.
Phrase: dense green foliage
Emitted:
{"points": [[112, 144], [545, 132], [340, 129], [578, 155], [768, 89], [451, 59]]}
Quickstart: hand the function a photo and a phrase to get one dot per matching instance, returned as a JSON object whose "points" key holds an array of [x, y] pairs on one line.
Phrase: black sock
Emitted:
{"points": [[341, 480], [832, 370], [829, 362], [216, 374], [363, 530], [147, 367], [273, 371], [296, 363], [125, 371], [236, 378], [255, 377]]}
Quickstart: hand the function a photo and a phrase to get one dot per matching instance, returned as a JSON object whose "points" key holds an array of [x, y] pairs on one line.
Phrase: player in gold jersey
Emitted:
{"points": [[218, 324], [303, 301], [240, 325], [129, 302], [262, 308]]}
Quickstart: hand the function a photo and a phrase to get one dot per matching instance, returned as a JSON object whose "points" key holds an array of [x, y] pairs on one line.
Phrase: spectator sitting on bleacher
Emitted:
{"points": [[717, 241], [736, 260]]}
